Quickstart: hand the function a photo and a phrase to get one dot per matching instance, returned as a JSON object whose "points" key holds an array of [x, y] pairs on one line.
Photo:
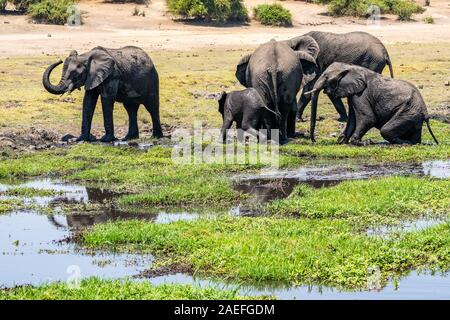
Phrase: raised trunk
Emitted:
{"points": [[60, 88]]}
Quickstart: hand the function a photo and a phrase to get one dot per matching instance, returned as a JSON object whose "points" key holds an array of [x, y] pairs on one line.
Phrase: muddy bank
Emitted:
{"points": [[28, 140]]}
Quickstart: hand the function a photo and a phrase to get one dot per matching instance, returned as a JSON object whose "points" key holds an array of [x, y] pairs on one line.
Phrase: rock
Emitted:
{"points": [[420, 86], [447, 83]]}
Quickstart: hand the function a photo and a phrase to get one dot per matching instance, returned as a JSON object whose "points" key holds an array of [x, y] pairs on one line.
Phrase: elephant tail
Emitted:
{"points": [[274, 92], [389, 63], [427, 120]]}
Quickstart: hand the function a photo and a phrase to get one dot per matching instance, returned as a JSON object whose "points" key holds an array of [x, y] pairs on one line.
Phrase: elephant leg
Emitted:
{"points": [[340, 108], [362, 126], [394, 130], [350, 127], [152, 107], [250, 123], [89, 103], [416, 136], [227, 123], [291, 120], [107, 108], [283, 130], [364, 122], [303, 102], [133, 129]]}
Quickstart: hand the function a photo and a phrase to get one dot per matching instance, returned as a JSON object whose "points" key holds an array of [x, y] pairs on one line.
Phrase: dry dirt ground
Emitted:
{"points": [[113, 25]]}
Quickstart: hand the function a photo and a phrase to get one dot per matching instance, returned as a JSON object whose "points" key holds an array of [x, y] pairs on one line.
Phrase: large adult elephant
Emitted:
{"points": [[358, 48], [125, 75], [278, 70]]}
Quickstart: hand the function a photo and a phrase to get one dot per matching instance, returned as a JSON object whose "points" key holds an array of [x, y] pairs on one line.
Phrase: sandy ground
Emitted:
{"points": [[113, 25]]}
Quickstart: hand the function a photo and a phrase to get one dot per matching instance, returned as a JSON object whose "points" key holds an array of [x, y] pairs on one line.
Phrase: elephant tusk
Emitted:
{"points": [[312, 91]]}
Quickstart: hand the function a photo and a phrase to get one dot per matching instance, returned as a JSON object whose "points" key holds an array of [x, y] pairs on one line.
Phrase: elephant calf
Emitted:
{"points": [[395, 107], [245, 107]]}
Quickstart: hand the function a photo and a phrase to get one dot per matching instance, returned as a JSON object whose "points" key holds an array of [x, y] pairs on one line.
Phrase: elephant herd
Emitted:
{"points": [[342, 65]]}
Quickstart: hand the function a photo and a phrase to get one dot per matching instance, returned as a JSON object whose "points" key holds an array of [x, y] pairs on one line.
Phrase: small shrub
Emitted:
{"points": [[273, 14], [3, 4], [51, 11], [405, 9], [428, 19], [219, 10]]}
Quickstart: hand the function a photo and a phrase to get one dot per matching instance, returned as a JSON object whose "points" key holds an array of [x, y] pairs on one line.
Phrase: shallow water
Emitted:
{"points": [[406, 226], [34, 250], [34, 247], [271, 185], [412, 286]]}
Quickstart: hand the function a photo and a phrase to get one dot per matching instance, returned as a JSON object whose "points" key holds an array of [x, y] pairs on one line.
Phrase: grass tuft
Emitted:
{"points": [[97, 289]]}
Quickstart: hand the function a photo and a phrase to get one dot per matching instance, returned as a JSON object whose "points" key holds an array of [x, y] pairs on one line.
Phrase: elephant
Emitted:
{"points": [[358, 48], [124, 75], [278, 70], [246, 108], [395, 107]]}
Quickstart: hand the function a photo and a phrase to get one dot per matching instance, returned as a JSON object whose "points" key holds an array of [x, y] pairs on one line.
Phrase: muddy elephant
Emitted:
{"points": [[246, 108], [358, 48], [124, 75], [278, 70], [395, 107]]}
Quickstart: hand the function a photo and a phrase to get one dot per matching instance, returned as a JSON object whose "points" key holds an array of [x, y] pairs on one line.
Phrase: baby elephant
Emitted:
{"points": [[246, 108], [395, 107]]}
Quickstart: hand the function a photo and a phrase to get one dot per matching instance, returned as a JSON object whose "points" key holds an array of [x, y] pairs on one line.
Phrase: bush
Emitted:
{"points": [[51, 11], [219, 10], [3, 5], [428, 19], [273, 14], [403, 8]]}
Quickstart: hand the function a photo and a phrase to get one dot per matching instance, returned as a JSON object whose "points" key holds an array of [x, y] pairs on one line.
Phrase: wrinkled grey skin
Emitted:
{"points": [[395, 107], [278, 70], [246, 108], [124, 75], [358, 48]]}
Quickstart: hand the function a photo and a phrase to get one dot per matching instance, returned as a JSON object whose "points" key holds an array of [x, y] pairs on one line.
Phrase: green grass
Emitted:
{"points": [[151, 175], [382, 198], [29, 192], [7, 205], [151, 178], [96, 289], [293, 251]]}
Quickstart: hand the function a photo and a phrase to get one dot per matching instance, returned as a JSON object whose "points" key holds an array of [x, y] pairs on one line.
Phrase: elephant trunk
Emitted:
{"points": [[60, 88], [314, 101]]}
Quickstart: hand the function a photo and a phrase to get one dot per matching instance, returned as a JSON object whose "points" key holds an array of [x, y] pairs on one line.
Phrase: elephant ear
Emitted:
{"points": [[306, 44], [309, 66], [221, 99], [101, 65], [241, 69], [350, 82]]}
